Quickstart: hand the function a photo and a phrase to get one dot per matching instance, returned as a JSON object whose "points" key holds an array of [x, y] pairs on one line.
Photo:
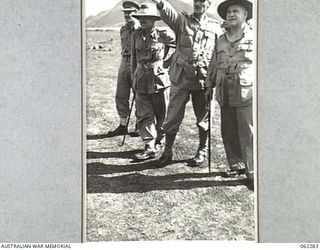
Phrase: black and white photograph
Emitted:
{"points": [[170, 131], [159, 123]]}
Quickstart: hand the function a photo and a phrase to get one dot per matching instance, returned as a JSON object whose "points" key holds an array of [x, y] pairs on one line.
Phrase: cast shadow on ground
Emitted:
{"points": [[128, 155], [98, 168], [140, 183], [128, 178], [119, 154], [103, 136]]}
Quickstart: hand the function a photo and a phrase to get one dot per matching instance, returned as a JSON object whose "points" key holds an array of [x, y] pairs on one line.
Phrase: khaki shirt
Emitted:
{"points": [[231, 70], [195, 44], [125, 35], [149, 51]]}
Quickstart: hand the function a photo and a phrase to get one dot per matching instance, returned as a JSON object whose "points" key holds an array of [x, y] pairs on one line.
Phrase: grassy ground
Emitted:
{"points": [[127, 200]]}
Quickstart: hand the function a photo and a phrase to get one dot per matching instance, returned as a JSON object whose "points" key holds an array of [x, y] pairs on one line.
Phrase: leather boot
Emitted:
{"points": [[202, 151], [167, 153], [149, 152], [121, 130]]}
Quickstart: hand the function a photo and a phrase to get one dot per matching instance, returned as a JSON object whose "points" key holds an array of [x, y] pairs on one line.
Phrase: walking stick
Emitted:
{"points": [[209, 133], [209, 110], [128, 120]]}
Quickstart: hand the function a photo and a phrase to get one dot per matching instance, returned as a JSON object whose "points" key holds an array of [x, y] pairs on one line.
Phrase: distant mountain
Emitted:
{"points": [[114, 18]]}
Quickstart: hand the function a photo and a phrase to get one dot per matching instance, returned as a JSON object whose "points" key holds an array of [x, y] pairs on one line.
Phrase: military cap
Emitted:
{"points": [[223, 7], [130, 6], [148, 10]]}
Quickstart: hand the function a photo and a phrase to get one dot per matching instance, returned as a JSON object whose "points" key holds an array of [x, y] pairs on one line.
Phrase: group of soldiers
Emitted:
{"points": [[198, 58]]}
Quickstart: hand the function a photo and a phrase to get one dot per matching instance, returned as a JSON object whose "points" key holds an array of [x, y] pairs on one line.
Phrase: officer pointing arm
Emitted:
{"points": [[195, 36]]}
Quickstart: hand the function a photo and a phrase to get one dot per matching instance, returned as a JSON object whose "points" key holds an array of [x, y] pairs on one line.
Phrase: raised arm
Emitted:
{"points": [[168, 14]]}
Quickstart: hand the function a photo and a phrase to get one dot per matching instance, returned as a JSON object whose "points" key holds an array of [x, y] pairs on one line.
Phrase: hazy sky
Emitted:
{"points": [[93, 7]]}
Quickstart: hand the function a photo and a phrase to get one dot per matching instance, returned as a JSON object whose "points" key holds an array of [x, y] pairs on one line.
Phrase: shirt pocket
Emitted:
{"points": [[139, 44], [222, 58], [185, 39]]}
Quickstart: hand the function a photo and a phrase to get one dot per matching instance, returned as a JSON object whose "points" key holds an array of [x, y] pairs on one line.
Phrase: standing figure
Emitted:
{"points": [[150, 47], [195, 36], [124, 83], [232, 74]]}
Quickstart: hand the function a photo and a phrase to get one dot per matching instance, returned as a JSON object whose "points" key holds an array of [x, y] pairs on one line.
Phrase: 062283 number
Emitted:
{"points": [[309, 246]]}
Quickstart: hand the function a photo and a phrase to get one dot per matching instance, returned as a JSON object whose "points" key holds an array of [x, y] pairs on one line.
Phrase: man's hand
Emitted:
{"points": [[208, 94]]}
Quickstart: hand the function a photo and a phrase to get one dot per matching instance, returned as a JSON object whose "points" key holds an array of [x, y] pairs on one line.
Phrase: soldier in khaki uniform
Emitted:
{"points": [[124, 83], [195, 36], [231, 72], [150, 47]]}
